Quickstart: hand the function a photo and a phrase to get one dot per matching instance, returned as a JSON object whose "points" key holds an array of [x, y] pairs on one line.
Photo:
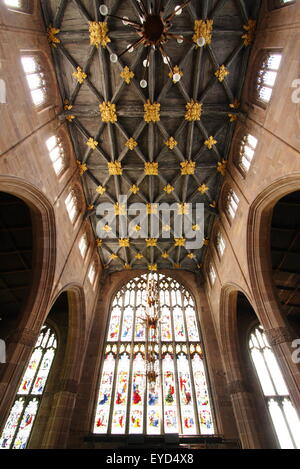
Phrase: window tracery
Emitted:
{"points": [[282, 412], [35, 78], [178, 400], [267, 75], [19, 424]]}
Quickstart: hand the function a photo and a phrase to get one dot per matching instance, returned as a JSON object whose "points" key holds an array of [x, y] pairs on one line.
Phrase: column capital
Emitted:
{"points": [[279, 335]]}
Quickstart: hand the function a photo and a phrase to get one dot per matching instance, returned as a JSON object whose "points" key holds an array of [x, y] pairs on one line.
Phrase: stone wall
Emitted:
{"points": [[27, 172], [275, 171]]}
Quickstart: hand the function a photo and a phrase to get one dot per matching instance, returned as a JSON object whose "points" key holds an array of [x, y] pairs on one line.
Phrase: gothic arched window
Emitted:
{"points": [[267, 75], [177, 401], [231, 203], [23, 6], [73, 204], [282, 412], [280, 3], [56, 154], [220, 244], [20, 421], [247, 151], [35, 77]]}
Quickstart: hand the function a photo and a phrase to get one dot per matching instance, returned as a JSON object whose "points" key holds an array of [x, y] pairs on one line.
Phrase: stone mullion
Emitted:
{"points": [[188, 343], [118, 343], [29, 396], [176, 385], [280, 340]]}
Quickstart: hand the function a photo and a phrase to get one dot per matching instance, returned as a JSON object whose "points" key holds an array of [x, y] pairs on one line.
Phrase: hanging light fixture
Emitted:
{"points": [[152, 323], [153, 31]]}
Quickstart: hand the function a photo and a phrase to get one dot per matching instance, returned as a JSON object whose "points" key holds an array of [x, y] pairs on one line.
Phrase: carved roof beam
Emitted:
{"points": [[73, 62], [216, 66], [136, 135], [85, 14], [197, 72], [217, 7], [86, 135], [206, 136], [169, 83], [243, 10], [134, 82], [177, 135]]}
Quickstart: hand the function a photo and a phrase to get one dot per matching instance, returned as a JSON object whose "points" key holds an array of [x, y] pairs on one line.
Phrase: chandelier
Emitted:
{"points": [[153, 31], [152, 320]]}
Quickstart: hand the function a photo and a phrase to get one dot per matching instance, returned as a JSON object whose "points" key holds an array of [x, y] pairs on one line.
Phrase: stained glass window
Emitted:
{"points": [[282, 412], [178, 401], [19, 424]]}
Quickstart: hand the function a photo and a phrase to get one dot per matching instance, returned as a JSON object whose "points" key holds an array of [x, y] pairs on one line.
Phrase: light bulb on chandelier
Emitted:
{"points": [[153, 31], [176, 77], [201, 41], [103, 10], [178, 10], [113, 58]]}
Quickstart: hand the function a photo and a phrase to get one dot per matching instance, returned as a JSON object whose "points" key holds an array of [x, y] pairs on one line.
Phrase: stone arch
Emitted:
{"points": [[44, 232], [228, 331], [53, 422], [240, 391], [258, 232], [44, 239], [261, 281], [77, 329]]}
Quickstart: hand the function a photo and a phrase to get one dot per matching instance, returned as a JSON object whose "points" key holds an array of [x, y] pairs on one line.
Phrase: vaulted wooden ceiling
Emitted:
{"points": [[285, 253], [103, 83]]}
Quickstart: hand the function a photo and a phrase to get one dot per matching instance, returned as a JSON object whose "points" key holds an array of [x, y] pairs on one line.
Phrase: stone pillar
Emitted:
{"points": [[244, 411], [58, 425]]}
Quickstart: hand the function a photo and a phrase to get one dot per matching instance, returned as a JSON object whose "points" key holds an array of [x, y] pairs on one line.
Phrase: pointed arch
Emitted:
{"points": [[261, 280], [128, 402], [258, 252], [22, 339]]}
